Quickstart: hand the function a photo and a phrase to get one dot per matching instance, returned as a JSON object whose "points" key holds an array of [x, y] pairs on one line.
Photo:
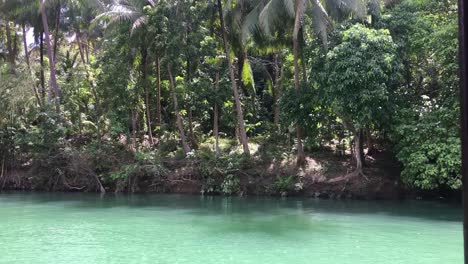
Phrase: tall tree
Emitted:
{"points": [[269, 20], [53, 76], [362, 72], [132, 11], [180, 125], [240, 114]]}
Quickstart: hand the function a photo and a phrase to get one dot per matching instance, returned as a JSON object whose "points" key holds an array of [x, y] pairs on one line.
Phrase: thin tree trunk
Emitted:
{"points": [[158, 92], [56, 34], [15, 46], [148, 116], [238, 134], [180, 126], [361, 147], [144, 55], [53, 77], [215, 117], [188, 81], [25, 46], [240, 67], [101, 188], [277, 92], [26, 56], [41, 47], [80, 47], [370, 143], [297, 26], [240, 115], [191, 134], [87, 49], [303, 62], [11, 55], [99, 109], [358, 151], [134, 129]]}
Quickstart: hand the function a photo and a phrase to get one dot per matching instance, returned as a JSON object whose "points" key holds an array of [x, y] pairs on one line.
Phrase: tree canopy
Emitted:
{"points": [[126, 86]]}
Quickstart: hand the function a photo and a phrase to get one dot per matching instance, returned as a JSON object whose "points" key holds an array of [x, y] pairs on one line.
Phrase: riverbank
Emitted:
{"points": [[271, 170], [325, 175]]}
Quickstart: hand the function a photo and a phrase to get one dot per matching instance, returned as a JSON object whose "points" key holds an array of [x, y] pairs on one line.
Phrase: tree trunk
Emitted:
{"points": [[303, 62], [25, 46], [370, 143], [144, 65], [26, 56], [188, 81], [240, 115], [358, 151], [277, 92], [180, 126], [41, 47], [15, 45], [99, 109], [297, 27], [361, 147], [87, 48], [134, 129], [53, 77], [80, 47], [148, 116], [158, 92], [11, 55], [191, 134], [240, 68], [56, 34], [215, 117]]}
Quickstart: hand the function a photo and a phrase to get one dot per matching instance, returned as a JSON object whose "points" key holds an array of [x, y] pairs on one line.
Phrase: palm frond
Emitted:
{"points": [[320, 21], [340, 9], [270, 14], [289, 7], [124, 10], [138, 23], [250, 23], [247, 75]]}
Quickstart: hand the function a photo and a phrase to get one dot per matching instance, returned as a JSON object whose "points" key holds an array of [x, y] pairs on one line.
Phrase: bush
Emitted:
{"points": [[429, 149], [230, 185], [285, 184], [220, 174]]}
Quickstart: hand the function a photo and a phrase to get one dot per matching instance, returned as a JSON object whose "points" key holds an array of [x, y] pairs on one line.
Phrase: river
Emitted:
{"points": [[87, 228]]}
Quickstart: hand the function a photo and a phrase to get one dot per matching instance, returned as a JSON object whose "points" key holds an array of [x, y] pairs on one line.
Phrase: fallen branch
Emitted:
{"points": [[349, 176]]}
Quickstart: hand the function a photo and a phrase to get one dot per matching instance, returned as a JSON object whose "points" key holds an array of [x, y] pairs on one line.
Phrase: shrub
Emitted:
{"points": [[285, 184]]}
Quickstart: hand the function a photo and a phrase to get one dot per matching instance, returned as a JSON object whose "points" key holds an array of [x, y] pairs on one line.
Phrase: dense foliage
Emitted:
{"points": [[116, 93]]}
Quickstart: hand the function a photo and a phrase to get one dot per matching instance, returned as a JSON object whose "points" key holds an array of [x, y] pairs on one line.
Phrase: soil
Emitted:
{"points": [[324, 175]]}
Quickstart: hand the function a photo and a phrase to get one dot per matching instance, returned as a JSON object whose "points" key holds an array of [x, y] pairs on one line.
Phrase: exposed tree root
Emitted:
{"points": [[349, 176]]}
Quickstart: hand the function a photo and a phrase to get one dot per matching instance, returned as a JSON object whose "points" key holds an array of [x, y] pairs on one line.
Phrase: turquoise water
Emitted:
{"points": [[87, 228]]}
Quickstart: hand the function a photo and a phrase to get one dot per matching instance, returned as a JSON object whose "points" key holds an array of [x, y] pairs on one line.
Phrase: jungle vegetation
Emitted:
{"points": [[118, 94]]}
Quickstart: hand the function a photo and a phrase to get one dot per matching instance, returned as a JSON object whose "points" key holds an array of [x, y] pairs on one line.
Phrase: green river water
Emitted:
{"points": [[87, 228]]}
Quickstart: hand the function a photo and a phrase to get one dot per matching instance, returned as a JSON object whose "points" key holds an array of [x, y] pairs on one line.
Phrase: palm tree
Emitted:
{"points": [[25, 12], [132, 11], [53, 76], [239, 112], [18, 11], [320, 12], [7, 15], [180, 125]]}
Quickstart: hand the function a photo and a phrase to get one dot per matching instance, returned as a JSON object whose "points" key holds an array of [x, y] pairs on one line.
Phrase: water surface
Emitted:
{"points": [[87, 228]]}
